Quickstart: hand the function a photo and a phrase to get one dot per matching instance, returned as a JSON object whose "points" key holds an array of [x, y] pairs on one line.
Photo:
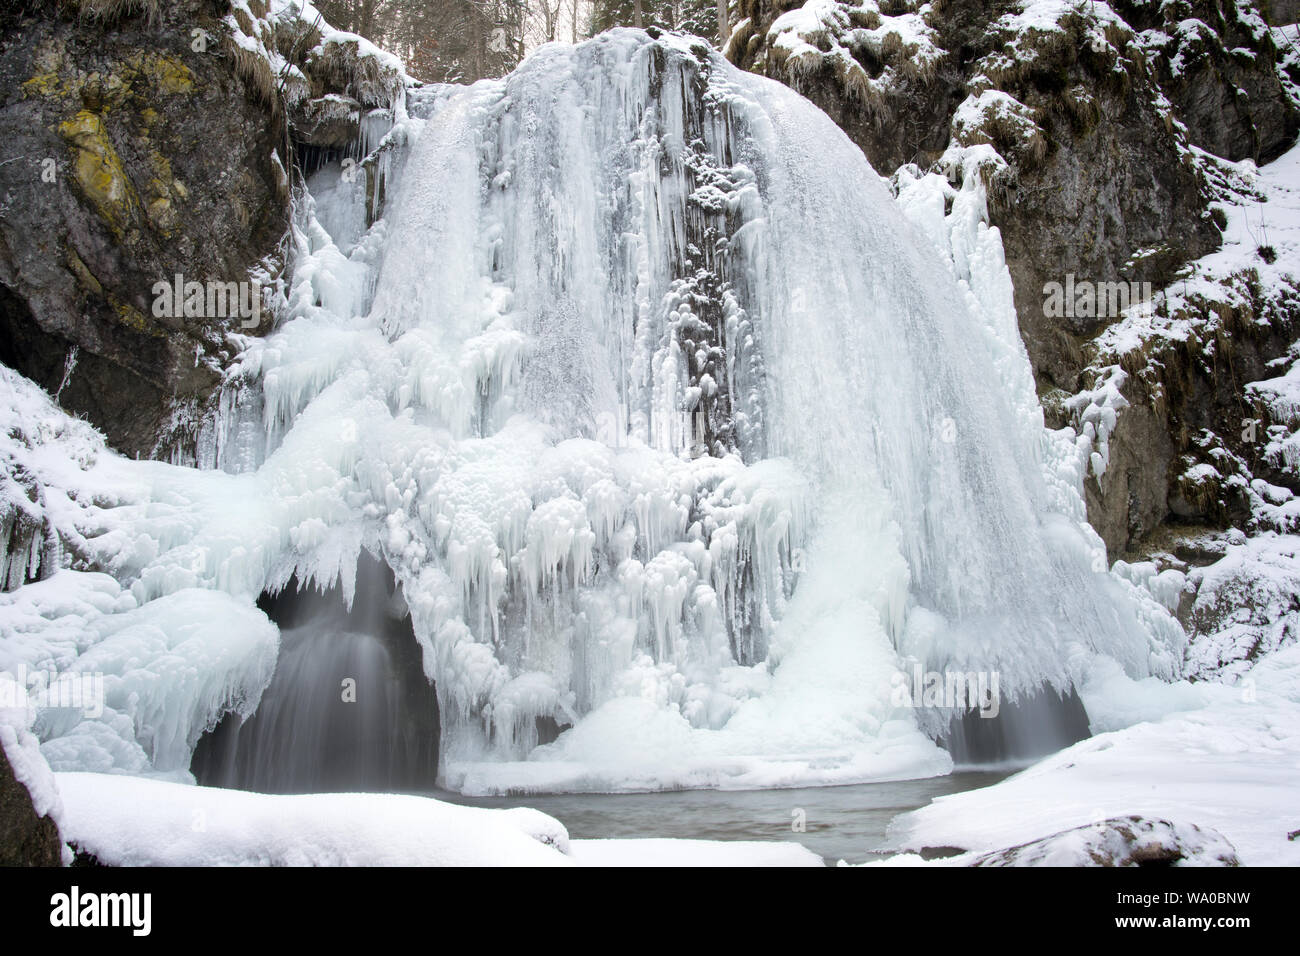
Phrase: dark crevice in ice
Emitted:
{"points": [[1032, 727]]}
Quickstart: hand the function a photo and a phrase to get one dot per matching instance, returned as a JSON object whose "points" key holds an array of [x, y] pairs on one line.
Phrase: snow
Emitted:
{"points": [[373, 76], [130, 821], [977, 111], [1039, 27], [1286, 40], [1245, 605], [826, 31], [171, 667], [1131, 840], [1231, 765], [1262, 207], [1050, 16]]}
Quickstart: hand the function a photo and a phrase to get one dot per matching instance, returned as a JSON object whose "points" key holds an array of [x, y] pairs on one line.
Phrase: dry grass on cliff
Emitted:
{"points": [[367, 79], [255, 70], [109, 10]]}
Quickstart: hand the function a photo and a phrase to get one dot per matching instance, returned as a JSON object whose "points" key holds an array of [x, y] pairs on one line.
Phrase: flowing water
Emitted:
{"points": [[348, 708]]}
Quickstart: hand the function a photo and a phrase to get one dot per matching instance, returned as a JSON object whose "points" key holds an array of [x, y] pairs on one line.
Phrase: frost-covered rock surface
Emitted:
{"points": [[1121, 841], [321, 77], [1206, 368]]}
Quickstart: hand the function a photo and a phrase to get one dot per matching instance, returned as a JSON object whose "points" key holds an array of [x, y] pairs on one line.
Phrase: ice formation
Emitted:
{"points": [[675, 430]]}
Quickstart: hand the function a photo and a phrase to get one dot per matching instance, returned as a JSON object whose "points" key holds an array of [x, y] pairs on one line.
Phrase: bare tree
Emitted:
{"points": [[548, 13]]}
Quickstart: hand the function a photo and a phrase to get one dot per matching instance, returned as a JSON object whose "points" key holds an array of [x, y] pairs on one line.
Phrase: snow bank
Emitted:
{"points": [[825, 33], [129, 821], [1121, 841], [152, 677]]}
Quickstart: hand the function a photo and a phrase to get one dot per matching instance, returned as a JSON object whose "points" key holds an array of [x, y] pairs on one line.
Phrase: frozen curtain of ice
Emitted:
{"points": [[673, 425]]}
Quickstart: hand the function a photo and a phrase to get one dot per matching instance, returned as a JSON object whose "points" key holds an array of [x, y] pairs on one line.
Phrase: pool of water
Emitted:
{"points": [[839, 823]]}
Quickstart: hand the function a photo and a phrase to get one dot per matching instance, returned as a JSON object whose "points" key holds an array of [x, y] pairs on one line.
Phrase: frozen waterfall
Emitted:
{"points": [[681, 432]]}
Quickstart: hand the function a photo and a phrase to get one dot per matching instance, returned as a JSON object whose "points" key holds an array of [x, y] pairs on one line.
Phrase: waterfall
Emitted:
{"points": [[681, 440], [347, 710]]}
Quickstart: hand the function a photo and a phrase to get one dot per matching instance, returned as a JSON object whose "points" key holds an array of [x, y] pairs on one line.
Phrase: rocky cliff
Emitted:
{"points": [[27, 838], [1114, 139], [144, 142], [1093, 117], [134, 152]]}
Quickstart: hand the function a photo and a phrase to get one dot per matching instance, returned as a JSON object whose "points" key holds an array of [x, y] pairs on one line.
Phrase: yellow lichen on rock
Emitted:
{"points": [[162, 215], [166, 74], [111, 87], [84, 276], [133, 318], [162, 186], [49, 62], [98, 170], [42, 84]]}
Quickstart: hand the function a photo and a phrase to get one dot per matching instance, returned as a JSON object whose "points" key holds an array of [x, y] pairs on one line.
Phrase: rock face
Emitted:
{"points": [[1121, 841], [134, 151], [25, 838], [1279, 12], [1097, 181], [1218, 67], [1186, 452], [1090, 116]]}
